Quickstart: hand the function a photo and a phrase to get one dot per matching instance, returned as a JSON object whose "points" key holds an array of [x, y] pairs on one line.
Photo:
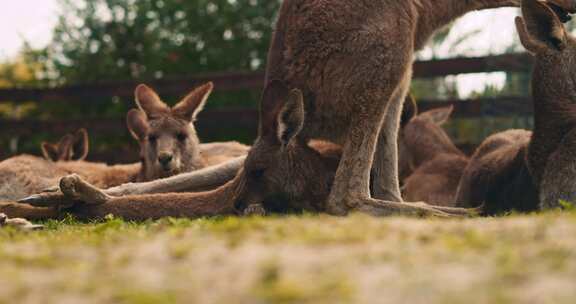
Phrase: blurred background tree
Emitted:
{"points": [[103, 40]]}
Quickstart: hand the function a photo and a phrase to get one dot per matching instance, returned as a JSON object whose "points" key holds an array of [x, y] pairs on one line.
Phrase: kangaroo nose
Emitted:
{"points": [[165, 159]]}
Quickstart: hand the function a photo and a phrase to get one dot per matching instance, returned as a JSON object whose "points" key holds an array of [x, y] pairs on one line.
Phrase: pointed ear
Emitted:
{"points": [[149, 102], [193, 103], [273, 99], [540, 29], [291, 117], [409, 110], [49, 151], [80, 145], [137, 124], [65, 147], [439, 116]]}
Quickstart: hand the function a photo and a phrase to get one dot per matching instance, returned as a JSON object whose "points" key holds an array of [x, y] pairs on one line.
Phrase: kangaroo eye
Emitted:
{"points": [[256, 174], [181, 137], [152, 139]]}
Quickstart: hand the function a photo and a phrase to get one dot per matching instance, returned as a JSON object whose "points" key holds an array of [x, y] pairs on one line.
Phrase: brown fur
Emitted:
{"points": [[517, 170], [438, 163]]}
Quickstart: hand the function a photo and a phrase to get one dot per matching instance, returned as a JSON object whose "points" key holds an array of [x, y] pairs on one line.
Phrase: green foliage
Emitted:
{"points": [[144, 39]]}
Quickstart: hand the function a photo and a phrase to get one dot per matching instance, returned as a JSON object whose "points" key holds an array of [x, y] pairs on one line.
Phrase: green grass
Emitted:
{"points": [[295, 259]]}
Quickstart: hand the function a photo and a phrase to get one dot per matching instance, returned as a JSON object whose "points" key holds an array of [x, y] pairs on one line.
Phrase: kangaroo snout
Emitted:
{"points": [[165, 159]]}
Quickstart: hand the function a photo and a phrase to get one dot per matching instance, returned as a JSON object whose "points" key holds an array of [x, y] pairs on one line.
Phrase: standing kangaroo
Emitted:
{"points": [[281, 173], [438, 164], [524, 171], [353, 60], [168, 146]]}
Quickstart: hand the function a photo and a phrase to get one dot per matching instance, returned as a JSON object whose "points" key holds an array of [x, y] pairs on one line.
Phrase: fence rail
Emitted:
{"points": [[232, 81], [211, 121]]}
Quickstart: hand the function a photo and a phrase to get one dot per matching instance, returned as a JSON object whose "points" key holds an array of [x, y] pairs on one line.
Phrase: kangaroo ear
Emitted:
{"points": [[193, 103], [49, 151], [137, 124], [439, 116], [409, 110], [80, 145], [65, 147], [149, 102], [540, 29], [291, 117], [271, 103], [60, 151], [281, 112]]}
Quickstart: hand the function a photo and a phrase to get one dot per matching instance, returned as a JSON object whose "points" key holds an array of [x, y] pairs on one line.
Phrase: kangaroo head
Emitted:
{"points": [[542, 33], [69, 148], [422, 137], [168, 141], [281, 167]]}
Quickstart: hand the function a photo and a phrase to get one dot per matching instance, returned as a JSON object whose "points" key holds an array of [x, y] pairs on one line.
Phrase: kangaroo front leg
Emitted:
{"points": [[385, 182]]}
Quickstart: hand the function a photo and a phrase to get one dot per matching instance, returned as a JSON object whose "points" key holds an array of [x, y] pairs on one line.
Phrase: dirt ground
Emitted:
{"points": [[296, 259]]}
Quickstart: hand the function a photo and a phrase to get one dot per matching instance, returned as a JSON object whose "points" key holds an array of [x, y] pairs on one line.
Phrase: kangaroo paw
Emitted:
{"points": [[254, 210], [76, 188]]}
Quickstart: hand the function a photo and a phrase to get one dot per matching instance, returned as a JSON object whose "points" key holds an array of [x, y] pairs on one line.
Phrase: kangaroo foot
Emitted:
{"points": [[386, 208], [48, 199], [74, 187], [451, 210], [18, 223], [254, 210]]}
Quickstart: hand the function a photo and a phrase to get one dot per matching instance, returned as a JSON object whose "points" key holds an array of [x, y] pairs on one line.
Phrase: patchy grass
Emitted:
{"points": [[296, 259]]}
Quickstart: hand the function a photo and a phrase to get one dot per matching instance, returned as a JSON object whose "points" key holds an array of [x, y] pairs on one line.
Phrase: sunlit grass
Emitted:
{"points": [[294, 259]]}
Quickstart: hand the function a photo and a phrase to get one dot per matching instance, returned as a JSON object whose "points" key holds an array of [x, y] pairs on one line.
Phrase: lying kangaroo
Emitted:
{"points": [[281, 173], [520, 170], [168, 146], [438, 164], [69, 147]]}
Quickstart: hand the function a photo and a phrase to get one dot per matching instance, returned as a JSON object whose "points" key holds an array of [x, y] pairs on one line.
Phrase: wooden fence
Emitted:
{"points": [[211, 121]]}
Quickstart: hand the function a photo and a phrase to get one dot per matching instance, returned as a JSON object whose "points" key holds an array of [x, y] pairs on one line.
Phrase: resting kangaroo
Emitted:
{"points": [[168, 146], [524, 171], [281, 173], [69, 147], [438, 164]]}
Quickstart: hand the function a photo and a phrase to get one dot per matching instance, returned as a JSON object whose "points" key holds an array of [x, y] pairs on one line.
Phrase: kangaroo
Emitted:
{"points": [[168, 145], [69, 147], [527, 171], [437, 163], [281, 173]]}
